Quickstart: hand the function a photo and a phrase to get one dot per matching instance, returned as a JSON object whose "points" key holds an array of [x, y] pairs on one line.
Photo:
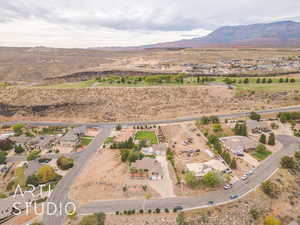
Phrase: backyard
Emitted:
{"points": [[146, 135]]}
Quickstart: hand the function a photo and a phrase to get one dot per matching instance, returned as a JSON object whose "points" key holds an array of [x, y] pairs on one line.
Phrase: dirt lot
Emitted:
{"points": [[104, 178]]}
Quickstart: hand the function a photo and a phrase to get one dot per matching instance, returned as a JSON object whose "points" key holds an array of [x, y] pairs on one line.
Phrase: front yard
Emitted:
{"points": [[261, 153]]}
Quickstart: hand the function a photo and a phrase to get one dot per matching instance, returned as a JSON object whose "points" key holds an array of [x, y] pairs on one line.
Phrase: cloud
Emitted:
{"points": [[158, 19]]}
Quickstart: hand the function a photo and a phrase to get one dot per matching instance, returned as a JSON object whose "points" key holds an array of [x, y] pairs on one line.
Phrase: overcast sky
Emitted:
{"points": [[90, 23]]}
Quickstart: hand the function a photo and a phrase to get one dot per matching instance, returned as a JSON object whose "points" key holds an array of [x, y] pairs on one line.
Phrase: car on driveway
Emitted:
{"points": [[227, 186], [233, 197]]}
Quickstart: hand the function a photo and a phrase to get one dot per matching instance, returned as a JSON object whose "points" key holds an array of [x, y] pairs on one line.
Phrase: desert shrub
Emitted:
{"points": [[65, 163]]}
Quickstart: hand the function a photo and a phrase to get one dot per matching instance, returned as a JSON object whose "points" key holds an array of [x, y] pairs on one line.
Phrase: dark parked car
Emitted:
{"points": [[178, 207], [210, 202], [234, 196]]}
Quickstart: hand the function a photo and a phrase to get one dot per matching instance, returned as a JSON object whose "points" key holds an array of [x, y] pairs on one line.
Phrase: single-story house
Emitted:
{"points": [[146, 168], [257, 127], [21, 140], [238, 144], [72, 137], [200, 169], [43, 142]]}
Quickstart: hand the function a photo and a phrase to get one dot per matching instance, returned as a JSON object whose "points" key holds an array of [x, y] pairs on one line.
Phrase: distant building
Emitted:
{"points": [[21, 140], [43, 142], [238, 144], [156, 149], [72, 137]]}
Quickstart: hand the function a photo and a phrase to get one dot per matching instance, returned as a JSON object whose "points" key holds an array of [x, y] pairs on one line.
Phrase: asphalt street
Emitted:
{"points": [[260, 174]]}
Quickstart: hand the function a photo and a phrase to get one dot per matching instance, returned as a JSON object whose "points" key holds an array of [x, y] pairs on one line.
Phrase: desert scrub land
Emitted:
{"points": [[134, 103]]}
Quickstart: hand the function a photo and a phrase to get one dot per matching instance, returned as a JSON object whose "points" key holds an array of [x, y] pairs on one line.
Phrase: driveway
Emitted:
{"points": [[163, 186]]}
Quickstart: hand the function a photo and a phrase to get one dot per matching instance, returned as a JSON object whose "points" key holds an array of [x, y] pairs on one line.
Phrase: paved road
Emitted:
{"points": [[261, 173], [229, 115], [60, 193]]}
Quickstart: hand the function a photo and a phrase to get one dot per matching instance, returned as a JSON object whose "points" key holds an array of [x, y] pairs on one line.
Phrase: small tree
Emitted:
{"points": [[271, 140], [19, 149], [211, 179], [262, 139], [233, 164], [2, 157], [65, 163], [254, 116], [119, 127], [270, 189], [297, 155], [288, 162], [18, 127], [191, 179]]}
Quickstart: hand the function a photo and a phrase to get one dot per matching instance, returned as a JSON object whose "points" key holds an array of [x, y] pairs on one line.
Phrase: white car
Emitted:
{"points": [[228, 186], [244, 177], [249, 173]]}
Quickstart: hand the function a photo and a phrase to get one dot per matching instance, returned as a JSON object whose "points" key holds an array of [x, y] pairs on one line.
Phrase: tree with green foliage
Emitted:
{"points": [[297, 155], [33, 155], [258, 80], [263, 80], [2, 157], [270, 189], [18, 128], [240, 129], [271, 220], [255, 116], [292, 80], [217, 128], [32, 179], [286, 80], [281, 80], [288, 162], [191, 180], [270, 80], [246, 81], [263, 139], [119, 127], [65, 163], [46, 174], [233, 164], [6, 145], [19, 149], [271, 140], [211, 179]]}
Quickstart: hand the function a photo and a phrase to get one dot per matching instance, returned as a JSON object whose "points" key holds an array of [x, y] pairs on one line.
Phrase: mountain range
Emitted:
{"points": [[277, 34]]}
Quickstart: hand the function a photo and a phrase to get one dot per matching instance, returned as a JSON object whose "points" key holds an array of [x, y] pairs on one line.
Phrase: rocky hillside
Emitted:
{"points": [[279, 34]]}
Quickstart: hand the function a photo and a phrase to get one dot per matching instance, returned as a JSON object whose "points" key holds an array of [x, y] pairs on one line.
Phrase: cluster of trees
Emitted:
{"points": [[288, 116], [44, 175], [65, 163], [209, 119], [240, 129], [131, 155], [215, 142], [123, 145], [18, 128], [6, 145], [146, 126], [255, 116], [258, 80], [270, 189], [211, 179], [271, 139]]}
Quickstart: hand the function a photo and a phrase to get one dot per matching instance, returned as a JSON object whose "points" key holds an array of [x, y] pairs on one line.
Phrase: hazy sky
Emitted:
{"points": [[90, 23]]}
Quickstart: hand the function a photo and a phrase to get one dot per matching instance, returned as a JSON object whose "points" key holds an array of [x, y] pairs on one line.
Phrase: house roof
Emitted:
{"points": [[72, 135], [200, 169], [238, 143], [42, 141], [22, 139], [253, 124], [147, 164]]}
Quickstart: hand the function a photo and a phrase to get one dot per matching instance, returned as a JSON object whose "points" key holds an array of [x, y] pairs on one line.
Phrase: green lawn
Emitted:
{"points": [[86, 140], [261, 155], [146, 135]]}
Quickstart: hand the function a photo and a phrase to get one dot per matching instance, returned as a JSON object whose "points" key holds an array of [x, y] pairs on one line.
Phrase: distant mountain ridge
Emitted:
{"points": [[277, 34]]}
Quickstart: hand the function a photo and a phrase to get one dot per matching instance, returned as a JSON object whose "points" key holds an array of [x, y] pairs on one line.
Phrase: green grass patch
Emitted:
{"points": [[261, 153], [20, 177], [2, 195], [109, 140], [146, 135], [86, 140]]}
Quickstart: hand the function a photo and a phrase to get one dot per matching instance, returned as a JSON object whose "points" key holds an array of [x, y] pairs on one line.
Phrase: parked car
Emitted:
{"points": [[249, 173], [210, 202], [178, 208], [233, 197], [244, 177], [227, 186]]}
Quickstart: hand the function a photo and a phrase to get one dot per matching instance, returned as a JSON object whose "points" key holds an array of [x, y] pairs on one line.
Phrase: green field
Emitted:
{"points": [[147, 136]]}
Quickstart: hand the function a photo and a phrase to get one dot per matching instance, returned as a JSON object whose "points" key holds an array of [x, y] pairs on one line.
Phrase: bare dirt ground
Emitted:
{"points": [[286, 207], [104, 178]]}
